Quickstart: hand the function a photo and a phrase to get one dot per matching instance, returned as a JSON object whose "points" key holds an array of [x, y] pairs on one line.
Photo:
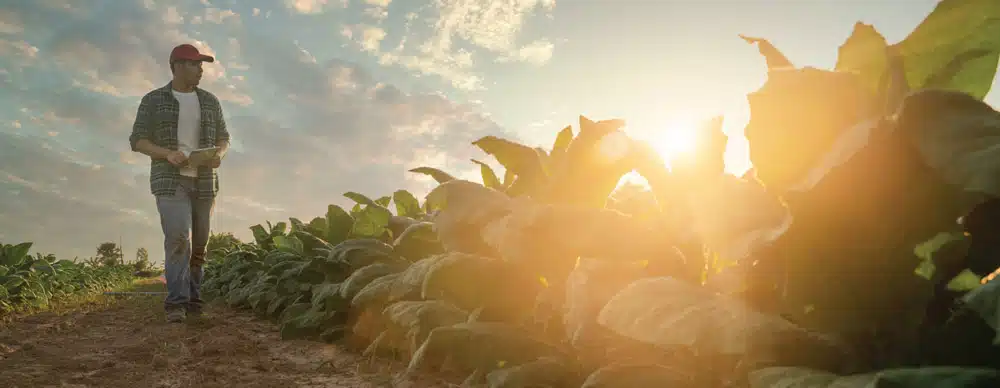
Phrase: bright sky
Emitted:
{"points": [[329, 96]]}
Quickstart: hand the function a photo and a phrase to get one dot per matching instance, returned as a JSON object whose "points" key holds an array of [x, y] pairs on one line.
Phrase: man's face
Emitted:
{"points": [[189, 71]]}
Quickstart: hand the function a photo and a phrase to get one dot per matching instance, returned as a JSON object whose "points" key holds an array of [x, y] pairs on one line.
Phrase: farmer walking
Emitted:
{"points": [[170, 122]]}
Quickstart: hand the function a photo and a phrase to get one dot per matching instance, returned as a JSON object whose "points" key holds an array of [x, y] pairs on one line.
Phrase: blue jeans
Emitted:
{"points": [[186, 221]]}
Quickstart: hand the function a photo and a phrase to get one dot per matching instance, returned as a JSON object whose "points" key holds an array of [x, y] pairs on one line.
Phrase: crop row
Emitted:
{"points": [[824, 266], [34, 281]]}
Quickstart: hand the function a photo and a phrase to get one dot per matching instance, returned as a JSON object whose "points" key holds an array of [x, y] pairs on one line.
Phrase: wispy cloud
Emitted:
{"points": [[306, 127], [447, 38]]}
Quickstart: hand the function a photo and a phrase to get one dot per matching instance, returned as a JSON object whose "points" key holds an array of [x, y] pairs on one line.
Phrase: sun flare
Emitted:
{"points": [[676, 139]]}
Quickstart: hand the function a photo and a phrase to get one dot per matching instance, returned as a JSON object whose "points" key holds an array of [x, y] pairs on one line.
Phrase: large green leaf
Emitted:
{"points": [[373, 220], [279, 228], [952, 30], [296, 223], [563, 139], [483, 346], [358, 253], [666, 312], [416, 319], [299, 324], [438, 175], [464, 208], [827, 103], [14, 255], [864, 52], [407, 204], [418, 241], [490, 178], [363, 199], [985, 301], [338, 224], [363, 276], [924, 377], [957, 135], [522, 160], [317, 226], [290, 244], [261, 235], [593, 164]]}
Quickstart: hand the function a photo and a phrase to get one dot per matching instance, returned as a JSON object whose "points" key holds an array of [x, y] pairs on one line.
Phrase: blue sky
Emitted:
{"points": [[328, 96]]}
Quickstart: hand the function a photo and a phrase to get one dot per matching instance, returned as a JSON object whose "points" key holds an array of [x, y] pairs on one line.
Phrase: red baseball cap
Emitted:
{"points": [[189, 53]]}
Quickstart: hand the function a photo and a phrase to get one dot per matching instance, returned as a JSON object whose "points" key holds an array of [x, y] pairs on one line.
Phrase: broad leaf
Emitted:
{"points": [[563, 139], [418, 241], [407, 205], [416, 319], [775, 59], [482, 346], [261, 236], [952, 30], [827, 103], [593, 164], [363, 276], [362, 199], [957, 135], [373, 220], [290, 244], [438, 175], [864, 52], [985, 301], [548, 238], [317, 226], [523, 160], [358, 253], [338, 224], [464, 208], [14, 255], [490, 178], [297, 225], [668, 312], [588, 288]]}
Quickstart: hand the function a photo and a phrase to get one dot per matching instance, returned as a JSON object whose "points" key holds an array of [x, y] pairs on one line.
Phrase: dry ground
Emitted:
{"points": [[112, 342]]}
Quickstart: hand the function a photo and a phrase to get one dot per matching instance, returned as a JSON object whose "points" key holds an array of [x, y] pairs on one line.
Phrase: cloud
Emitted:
{"points": [[10, 22], [314, 6], [305, 130], [448, 38]]}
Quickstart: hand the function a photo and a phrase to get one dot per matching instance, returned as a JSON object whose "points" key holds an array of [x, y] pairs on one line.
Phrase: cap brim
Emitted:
{"points": [[202, 57]]}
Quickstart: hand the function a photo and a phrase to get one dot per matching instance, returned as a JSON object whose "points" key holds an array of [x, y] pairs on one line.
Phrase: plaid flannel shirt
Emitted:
{"points": [[156, 121]]}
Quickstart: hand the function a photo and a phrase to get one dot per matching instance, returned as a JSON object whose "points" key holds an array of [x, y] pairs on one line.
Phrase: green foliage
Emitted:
{"points": [[542, 272], [34, 281]]}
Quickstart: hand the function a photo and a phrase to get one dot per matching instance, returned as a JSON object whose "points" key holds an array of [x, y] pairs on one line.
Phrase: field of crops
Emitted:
{"points": [[837, 261], [34, 281]]}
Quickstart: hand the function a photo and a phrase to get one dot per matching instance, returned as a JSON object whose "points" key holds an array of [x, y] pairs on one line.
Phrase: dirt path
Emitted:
{"points": [[112, 342]]}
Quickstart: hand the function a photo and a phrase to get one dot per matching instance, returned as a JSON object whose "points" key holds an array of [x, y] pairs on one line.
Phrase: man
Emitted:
{"points": [[170, 122]]}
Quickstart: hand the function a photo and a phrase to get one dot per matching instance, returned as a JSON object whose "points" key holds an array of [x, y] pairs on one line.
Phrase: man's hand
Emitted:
{"points": [[177, 158], [215, 162]]}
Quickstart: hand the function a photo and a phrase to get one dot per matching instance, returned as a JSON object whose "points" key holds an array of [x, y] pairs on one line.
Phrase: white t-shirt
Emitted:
{"points": [[188, 126]]}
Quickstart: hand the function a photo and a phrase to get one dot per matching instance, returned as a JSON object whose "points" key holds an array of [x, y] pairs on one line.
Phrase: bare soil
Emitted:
{"points": [[112, 342]]}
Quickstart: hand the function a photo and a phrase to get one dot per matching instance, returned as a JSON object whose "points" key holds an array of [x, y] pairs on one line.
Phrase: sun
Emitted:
{"points": [[675, 139]]}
